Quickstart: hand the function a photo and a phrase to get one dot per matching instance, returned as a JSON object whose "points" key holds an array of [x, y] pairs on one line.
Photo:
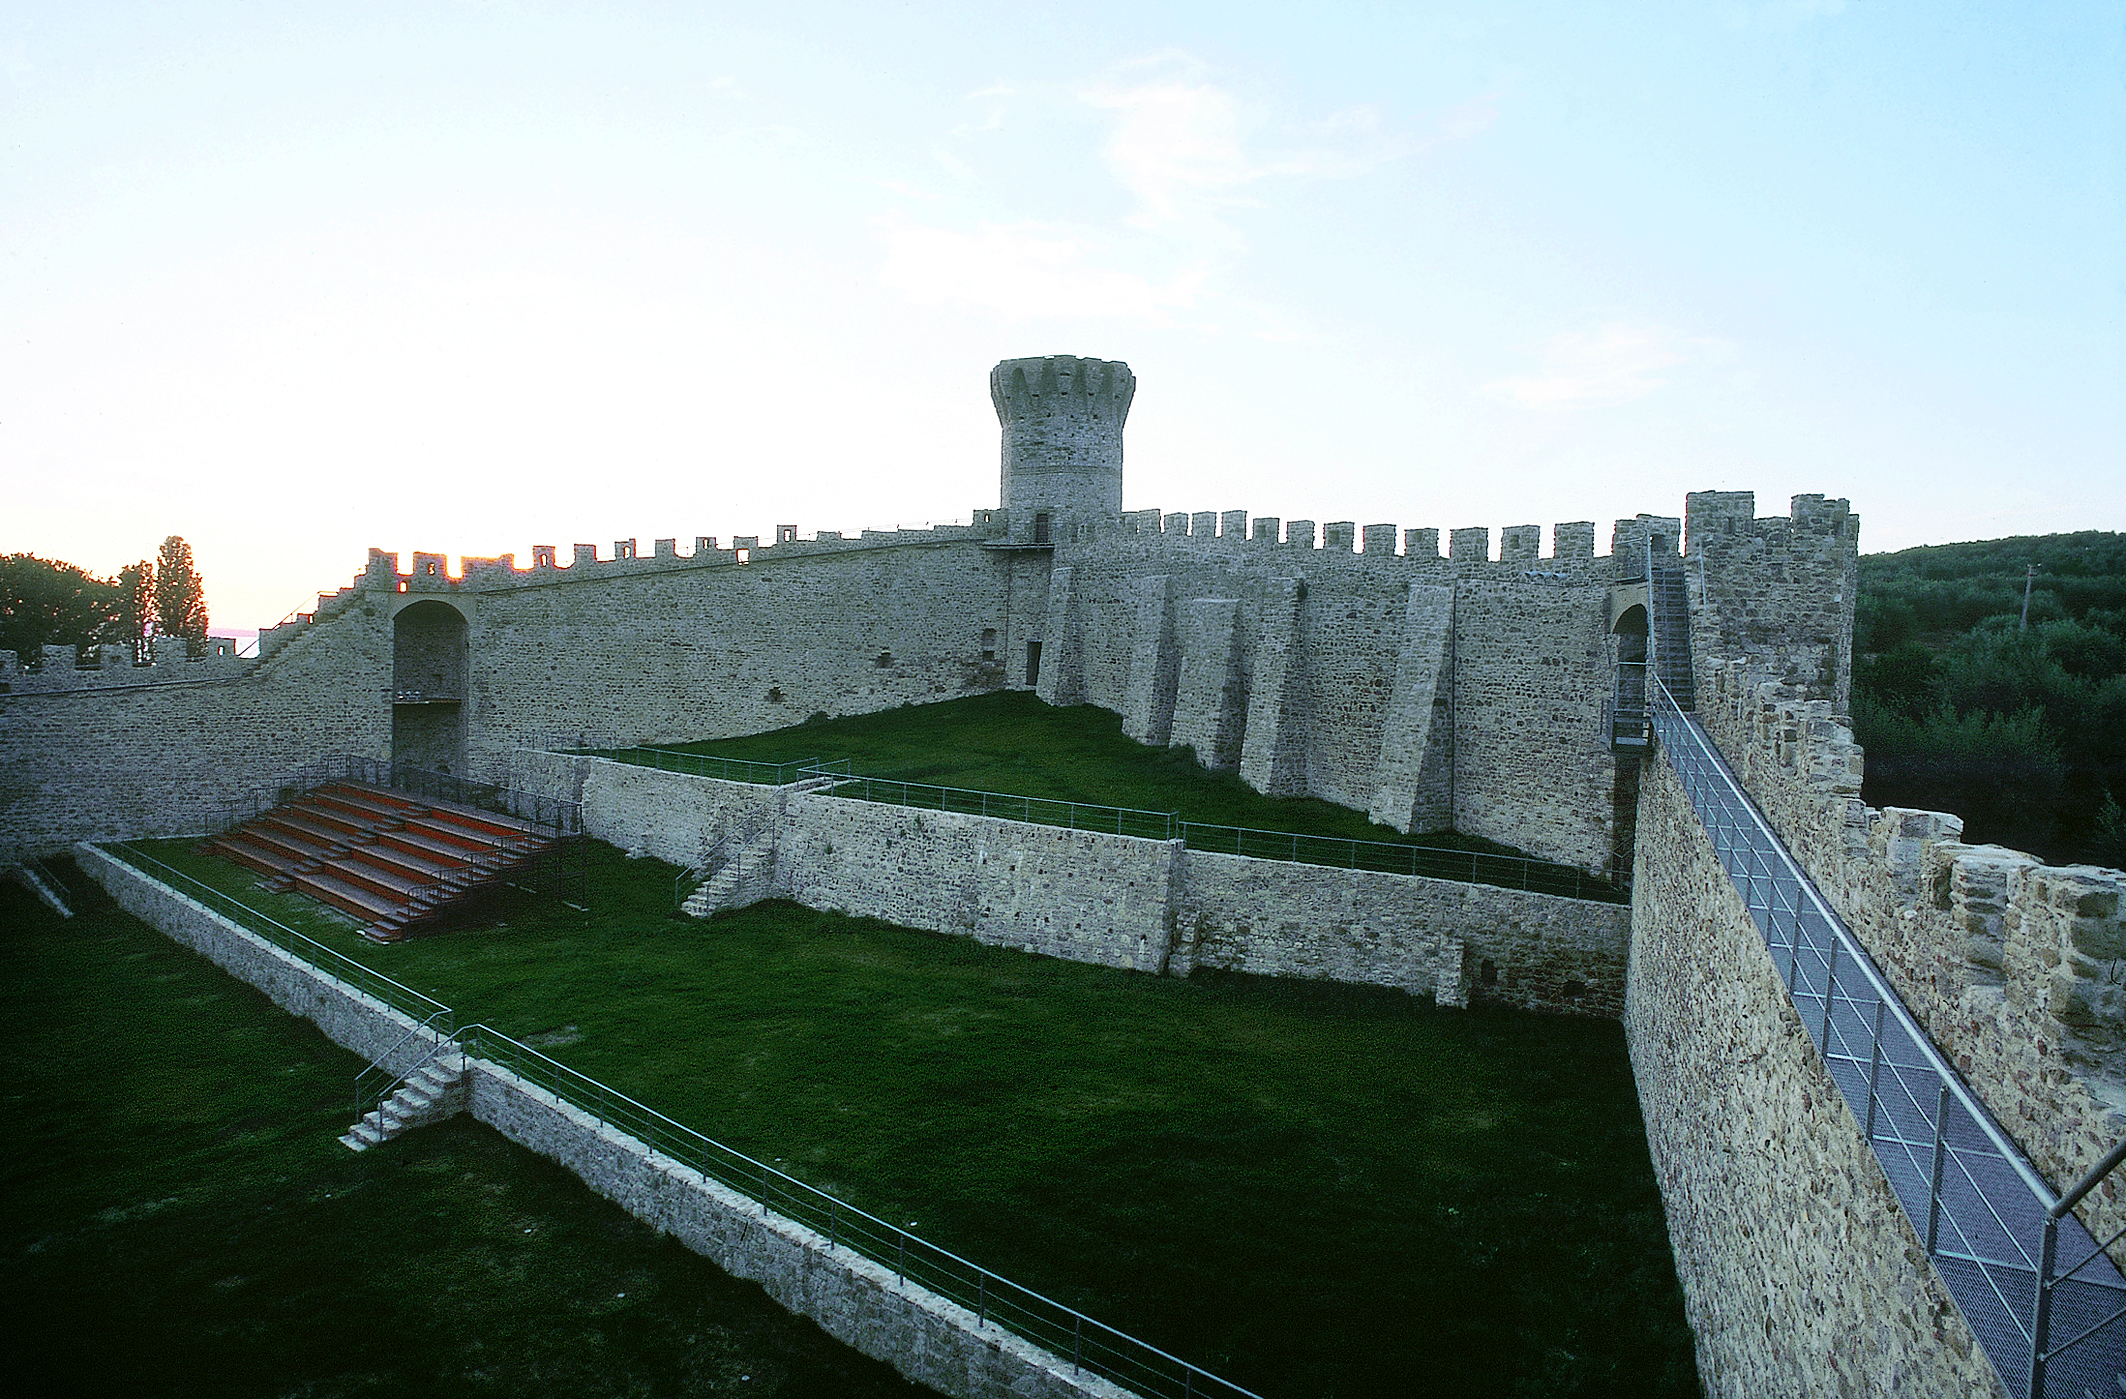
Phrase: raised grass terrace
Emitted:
{"points": [[1075, 767], [1310, 1189]]}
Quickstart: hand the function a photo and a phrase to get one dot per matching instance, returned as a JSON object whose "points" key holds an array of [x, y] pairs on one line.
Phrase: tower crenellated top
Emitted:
{"points": [[1062, 418]]}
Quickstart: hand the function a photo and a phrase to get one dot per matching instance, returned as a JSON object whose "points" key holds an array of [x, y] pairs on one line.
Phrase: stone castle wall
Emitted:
{"points": [[1431, 693], [108, 763], [2016, 969], [1800, 1272]]}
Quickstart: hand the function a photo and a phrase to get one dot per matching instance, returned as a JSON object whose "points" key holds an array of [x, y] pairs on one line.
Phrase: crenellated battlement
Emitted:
{"points": [[1062, 419], [2016, 968], [432, 572], [1521, 546], [1571, 540]]}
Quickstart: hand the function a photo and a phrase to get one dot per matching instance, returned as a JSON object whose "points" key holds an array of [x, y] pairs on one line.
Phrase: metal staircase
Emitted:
{"points": [[1669, 594]]}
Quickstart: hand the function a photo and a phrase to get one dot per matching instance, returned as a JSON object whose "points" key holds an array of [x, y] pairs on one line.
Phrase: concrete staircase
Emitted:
{"points": [[431, 1093], [734, 882]]}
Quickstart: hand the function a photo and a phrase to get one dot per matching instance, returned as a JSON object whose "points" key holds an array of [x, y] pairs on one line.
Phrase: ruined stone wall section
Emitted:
{"points": [[2017, 969], [1800, 1272], [1085, 897], [1118, 901]]}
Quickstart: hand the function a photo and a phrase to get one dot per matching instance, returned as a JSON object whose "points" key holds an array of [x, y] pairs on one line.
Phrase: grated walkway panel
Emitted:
{"points": [[1976, 1203]]}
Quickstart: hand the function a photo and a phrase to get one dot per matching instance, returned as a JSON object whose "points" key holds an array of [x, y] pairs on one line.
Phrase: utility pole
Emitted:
{"points": [[2030, 574]]}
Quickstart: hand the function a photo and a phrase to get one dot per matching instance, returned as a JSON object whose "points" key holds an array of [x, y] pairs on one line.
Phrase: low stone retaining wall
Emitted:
{"points": [[924, 1336], [349, 1017], [1428, 936], [1119, 901]]}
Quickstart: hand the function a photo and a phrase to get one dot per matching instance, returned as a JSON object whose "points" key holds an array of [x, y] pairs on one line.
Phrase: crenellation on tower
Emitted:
{"points": [[1062, 420]]}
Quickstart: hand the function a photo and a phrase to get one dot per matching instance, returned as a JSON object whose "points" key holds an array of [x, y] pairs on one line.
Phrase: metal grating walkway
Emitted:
{"points": [[1976, 1203]]}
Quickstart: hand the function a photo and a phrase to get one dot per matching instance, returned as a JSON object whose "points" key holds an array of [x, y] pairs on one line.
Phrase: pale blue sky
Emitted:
{"points": [[296, 280]]}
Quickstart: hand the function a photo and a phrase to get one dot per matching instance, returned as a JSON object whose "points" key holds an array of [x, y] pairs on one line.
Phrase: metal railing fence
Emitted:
{"points": [[1038, 811], [995, 1300], [727, 769], [1338, 852], [377, 1078], [557, 815], [1991, 1225], [1393, 857], [301, 946]]}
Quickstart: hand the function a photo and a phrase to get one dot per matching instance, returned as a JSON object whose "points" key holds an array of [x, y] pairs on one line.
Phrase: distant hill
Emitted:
{"points": [[2019, 729]]}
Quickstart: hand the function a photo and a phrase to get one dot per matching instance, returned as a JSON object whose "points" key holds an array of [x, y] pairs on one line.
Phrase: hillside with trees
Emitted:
{"points": [[2017, 725], [44, 602]]}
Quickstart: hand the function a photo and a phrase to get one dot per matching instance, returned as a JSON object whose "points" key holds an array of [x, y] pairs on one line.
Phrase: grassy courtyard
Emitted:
{"points": [[1312, 1189], [181, 1220]]}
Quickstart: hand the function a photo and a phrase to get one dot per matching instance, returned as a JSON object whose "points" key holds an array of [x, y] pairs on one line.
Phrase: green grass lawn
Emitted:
{"points": [[1009, 741], [181, 1220], [1312, 1189]]}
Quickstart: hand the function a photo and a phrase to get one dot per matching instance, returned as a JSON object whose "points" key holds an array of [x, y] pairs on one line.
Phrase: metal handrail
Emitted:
{"points": [[331, 962], [1665, 707], [694, 876], [858, 1230], [1397, 857], [383, 1060], [995, 1299], [746, 769], [1937, 1181], [1006, 806]]}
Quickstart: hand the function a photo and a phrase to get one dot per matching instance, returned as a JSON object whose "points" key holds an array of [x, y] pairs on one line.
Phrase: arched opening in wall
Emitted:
{"points": [[430, 658], [1630, 737], [1043, 528]]}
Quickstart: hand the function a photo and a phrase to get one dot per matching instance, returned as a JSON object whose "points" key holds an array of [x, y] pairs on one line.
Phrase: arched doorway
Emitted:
{"points": [[429, 664]]}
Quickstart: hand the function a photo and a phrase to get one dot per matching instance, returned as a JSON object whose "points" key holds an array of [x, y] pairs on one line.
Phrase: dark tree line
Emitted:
{"points": [[44, 602], [1962, 706]]}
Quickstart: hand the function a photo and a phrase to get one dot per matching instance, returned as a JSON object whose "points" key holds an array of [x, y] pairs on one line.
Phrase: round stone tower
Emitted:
{"points": [[1062, 420]]}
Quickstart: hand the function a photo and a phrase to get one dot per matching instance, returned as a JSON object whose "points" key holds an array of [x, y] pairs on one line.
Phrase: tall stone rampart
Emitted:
{"points": [[1800, 1272], [117, 762], [2016, 969], [1432, 693]]}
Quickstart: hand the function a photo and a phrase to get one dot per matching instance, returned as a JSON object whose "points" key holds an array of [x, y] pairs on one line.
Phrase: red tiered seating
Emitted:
{"points": [[389, 859]]}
